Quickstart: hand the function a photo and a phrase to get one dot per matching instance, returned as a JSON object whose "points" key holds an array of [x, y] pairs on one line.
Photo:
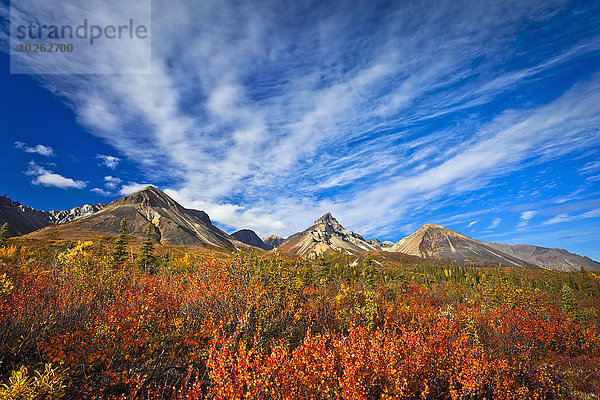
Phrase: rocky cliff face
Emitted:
{"points": [[381, 246], [60, 217]]}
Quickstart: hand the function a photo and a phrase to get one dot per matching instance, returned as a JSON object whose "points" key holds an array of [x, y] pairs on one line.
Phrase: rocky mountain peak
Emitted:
{"points": [[175, 224], [149, 197], [326, 218], [326, 234], [273, 240], [434, 226]]}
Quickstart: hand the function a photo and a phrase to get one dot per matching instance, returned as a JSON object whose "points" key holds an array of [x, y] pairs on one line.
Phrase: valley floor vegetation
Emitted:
{"points": [[89, 320]]}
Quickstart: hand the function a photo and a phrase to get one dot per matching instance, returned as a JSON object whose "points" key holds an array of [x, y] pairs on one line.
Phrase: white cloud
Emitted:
{"points": [[564, 217], [472, 223], [495, 223], [326, 123], [44, 177], [132, 187], [109, 161], [558, 219], [525, 217], [102, 192], [590, 167], [39, 149], [236, 216], [111, 182]]}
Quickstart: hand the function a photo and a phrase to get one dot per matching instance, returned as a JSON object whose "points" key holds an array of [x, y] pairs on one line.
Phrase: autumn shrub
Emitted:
{"points": [[250, 327]]}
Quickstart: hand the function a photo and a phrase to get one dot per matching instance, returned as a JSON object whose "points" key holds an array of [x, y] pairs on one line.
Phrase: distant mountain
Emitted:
{"points": [[381, 246], [435, 240], [273, 240], [326, 234], [24, 219], [60, 217], [175, 225], [546, 258], [251, 238]]}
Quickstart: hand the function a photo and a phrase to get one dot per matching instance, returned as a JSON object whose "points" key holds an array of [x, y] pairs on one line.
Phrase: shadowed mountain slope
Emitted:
{"points": [[250, 238], [547, 258]]}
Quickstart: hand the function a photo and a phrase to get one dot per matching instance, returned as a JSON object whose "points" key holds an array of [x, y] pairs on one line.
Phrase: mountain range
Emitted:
{"points": [[179, 226], [24, 219]]}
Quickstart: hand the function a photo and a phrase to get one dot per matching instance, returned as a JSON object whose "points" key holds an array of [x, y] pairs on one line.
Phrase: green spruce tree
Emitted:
{"points": [[147, 260], [120, 252], [368, 272], [569, 303], [4, 235]]}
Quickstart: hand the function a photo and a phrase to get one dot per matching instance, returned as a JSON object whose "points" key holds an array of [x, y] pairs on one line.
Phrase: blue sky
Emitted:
{"points": [[482, 116]]}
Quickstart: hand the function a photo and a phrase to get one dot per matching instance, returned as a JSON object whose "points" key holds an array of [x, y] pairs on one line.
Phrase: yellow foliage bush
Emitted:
{"points": [[7, 253], [6, 285], [48, 384], [78, 256]]}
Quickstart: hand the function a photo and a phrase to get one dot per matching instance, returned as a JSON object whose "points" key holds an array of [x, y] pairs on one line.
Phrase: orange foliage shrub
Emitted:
{"points": [[248, 328]]}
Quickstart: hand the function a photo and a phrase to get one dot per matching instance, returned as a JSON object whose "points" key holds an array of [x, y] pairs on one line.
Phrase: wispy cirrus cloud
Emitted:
{"points": [[525, 217], [266, 120], [565, 217], [495, 223]]}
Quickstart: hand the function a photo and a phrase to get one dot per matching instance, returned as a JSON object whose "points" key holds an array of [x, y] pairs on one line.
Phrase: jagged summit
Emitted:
{"points": [[379, 245], [327, 217], [177, 225], [326, 234], [23, 219]]}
